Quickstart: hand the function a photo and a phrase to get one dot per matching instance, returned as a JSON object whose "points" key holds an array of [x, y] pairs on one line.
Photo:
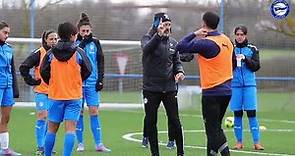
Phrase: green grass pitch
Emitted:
{"points": [[276, 115]]}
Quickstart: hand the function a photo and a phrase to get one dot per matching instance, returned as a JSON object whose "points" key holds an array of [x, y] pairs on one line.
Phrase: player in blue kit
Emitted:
{"points": [[8, 88], [244, 91], [34, 60], [91, 86]]}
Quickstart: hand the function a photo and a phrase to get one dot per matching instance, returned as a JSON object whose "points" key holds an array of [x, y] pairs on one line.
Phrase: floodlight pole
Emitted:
{"points": [[32, 20], [221, 14], [32, 30]]}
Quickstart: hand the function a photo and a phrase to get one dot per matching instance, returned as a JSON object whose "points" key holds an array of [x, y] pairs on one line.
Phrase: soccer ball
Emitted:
{"points": [[263, 128], [229, 122]]}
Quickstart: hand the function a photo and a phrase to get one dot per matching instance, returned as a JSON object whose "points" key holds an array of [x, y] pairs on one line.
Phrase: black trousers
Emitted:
{"points": [[171, 130], [152, 102], [213, 109]]}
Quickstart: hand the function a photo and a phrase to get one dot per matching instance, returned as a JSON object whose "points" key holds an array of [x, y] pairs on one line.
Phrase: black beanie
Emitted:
{"points": [[158, 17], [211, 19], [84, 20], [162, 15]]}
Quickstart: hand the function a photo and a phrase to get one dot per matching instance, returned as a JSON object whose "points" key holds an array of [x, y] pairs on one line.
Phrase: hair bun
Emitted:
{"points": [[84, 20], [84, 17]]}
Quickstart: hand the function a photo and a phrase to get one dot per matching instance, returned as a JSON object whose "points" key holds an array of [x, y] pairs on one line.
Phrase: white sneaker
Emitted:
{"points": [[102, 148], [80, 147], [8, 152]]}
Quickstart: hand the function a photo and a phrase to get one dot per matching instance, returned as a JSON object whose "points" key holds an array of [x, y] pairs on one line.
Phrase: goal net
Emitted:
{"points": [[123, 73], [122, 68]]}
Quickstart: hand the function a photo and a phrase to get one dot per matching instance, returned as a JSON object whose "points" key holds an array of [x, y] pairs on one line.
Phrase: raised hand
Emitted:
{"points": [[161, 28], [201, 33]]}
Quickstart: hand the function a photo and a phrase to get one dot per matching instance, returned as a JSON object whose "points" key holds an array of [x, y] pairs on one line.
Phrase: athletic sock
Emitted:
{"points": [[40, 129], [69, 144], [95, 128], [238, 128], [49, 143], [80, 129], [4, 140], [254, 128]]}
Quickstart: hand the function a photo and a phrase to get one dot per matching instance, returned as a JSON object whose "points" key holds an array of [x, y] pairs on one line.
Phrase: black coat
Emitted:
{"points": [[160, 62]]}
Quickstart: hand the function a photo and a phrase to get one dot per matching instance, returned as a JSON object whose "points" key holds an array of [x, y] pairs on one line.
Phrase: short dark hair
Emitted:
{"points": [[242, 28], [3, 25], [65, 30], [211, 19]]}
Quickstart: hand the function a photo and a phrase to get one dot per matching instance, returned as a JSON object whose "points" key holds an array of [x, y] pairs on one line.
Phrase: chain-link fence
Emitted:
{"points": [[129, 21]]}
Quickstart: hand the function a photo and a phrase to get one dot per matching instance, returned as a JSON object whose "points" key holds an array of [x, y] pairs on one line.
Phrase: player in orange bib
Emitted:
{"points": [[64, 68], [49, 39], [214, 54]]}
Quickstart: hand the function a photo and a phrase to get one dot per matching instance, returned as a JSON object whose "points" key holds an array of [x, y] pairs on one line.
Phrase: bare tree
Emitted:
{"points": [[27, 5], [286, 26]]}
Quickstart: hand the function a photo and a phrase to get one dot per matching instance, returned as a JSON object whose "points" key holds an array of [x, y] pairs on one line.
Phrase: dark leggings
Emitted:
{"points": [[171, 130], [152, 103]]}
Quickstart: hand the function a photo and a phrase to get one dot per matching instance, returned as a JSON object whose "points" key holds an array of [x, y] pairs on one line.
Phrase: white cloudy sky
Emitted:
{"points": [[43, 2], [146, 1]]}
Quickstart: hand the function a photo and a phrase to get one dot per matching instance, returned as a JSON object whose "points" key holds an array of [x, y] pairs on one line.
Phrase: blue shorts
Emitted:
{"points": [[42, 103], [243, 98], [90, 96], [6, 97], [64, 110]]}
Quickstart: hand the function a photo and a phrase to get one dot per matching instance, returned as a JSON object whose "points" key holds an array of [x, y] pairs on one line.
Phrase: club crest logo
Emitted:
{"points": [[279, 9], [145, 100]]}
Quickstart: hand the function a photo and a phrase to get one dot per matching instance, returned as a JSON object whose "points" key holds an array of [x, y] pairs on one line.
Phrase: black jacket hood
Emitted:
{"points": [[2, 43], [64, 50], [83, 42], [87, 39]]}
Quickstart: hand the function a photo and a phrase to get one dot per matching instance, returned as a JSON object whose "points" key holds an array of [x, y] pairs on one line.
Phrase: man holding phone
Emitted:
{"points": [[162, 70]]}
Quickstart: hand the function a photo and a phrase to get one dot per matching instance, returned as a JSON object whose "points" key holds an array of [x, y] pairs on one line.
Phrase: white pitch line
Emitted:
{"points": [[121, 106], [118, 106], [129, 137], [280, 121], [261, 119], [200, 116]]}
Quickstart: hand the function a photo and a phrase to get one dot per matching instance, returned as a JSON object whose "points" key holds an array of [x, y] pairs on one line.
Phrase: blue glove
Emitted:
{"points": [[156, 22]]}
